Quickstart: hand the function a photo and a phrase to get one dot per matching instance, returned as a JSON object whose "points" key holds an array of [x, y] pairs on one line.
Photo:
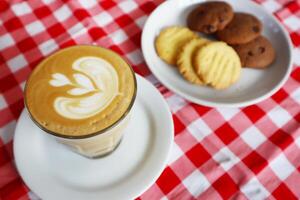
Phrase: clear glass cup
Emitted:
{"points": [[97, 144]]}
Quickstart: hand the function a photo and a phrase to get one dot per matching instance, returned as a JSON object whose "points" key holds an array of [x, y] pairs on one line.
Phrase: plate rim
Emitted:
{"points": [[210, 103], [159, 169]]}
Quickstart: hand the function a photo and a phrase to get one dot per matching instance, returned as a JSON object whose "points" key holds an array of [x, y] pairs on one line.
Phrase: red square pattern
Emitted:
{"points": [[13, 24], [81, 14], [107, 4], [14, 190], [226, 133], [201, 110], [225, 186], [167, 180], [7, 83], [255, 162], [148, 7], [124, 20], [178, 125], [96, 33], [26, 44], [3, 6], [283, 192], [254, 113], [280, 96], [293, 7], [198, 155], [42, 12], [16, 108], [296, 73], [56, 30], [4, 158], [281, 139]]}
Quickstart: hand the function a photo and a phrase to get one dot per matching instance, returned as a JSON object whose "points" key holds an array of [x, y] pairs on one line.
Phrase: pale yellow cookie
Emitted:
{"points": [[218, 65], [170, 40], [185, 58]]}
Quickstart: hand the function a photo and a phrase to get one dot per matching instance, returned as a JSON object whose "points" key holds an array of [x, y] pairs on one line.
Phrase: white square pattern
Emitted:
{"points": [[254, 190], [118, 36], [76, 30], [23, 85], [21, 8], [176, 102], [103, 19], [35, 28], [199, 129], [47, 47], [135, 57], [175, 153], [7, 132], [271, 5], [3, 103], [282, 167], [6, 41], [297, 141], [226, 158], [279, 116], [196, 183], [141, 21], [228, 113], [62, 13], [48, 1], [128, 6], [296, 56], [152, 79], [296, 95], [17, 63], [88, 3], [253, 137], [292, 22], [33, 196]]}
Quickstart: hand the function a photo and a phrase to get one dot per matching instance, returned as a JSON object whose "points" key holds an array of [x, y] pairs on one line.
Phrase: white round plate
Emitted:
{"points": [[54, 172], [253, 86]]}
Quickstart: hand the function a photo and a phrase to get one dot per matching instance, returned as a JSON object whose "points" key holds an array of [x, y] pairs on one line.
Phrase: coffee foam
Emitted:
{"points": [[98, 78], [80, 90]]}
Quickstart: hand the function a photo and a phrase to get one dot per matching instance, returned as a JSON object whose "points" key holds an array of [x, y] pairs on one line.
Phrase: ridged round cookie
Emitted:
{"points": [[210, 17], [185, 60], [242, 29], [259, 53], [170, 40], [218, 65]]}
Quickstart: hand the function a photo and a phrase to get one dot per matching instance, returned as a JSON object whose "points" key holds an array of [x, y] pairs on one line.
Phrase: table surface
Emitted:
{"points": [[252, 152]]}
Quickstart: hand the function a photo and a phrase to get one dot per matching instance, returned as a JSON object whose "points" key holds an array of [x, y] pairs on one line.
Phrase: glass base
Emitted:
{"points": [[108, 153]]}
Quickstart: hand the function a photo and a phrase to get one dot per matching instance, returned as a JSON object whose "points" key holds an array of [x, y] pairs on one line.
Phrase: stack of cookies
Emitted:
{"points": [[199, 60], [215, 63]]}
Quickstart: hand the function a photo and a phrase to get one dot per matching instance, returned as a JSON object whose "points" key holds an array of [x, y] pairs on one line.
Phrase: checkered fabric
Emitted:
{"points": [[247, 153]]}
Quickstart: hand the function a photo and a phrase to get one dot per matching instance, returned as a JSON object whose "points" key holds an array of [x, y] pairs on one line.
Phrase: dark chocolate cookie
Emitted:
{"points": [[242, 29], [259, 53], [210, 17]]}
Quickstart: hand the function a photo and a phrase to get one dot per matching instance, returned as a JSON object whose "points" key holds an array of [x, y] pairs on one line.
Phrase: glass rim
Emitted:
{"points": [[96, 132]]}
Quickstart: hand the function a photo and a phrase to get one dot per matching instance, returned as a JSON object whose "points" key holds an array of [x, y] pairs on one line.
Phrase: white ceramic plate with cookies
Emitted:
{"points": [[253, 86], [52, 171]]}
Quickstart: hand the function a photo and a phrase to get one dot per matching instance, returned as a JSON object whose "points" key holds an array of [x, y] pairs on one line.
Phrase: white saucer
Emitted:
{"points": [[54, 172], [253, 86]]}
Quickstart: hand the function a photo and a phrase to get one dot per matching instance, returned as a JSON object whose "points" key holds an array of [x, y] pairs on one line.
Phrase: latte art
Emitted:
{"points": [[94, 88], [80, 91]]}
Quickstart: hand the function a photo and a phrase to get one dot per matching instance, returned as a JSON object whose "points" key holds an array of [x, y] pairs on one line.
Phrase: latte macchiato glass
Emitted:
{"points": [[82, 96]]}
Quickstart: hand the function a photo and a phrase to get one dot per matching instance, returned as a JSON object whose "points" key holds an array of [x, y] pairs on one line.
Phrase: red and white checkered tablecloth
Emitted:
{"points": [[248, 153]]}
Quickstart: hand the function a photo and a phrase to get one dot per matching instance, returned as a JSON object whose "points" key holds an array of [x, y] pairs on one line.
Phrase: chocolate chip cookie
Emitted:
{"points": [[242, 29], [210, 17], [259, 53]]}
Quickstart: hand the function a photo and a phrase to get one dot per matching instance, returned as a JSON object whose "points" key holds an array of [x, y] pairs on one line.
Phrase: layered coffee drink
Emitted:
{"points": [[82, 95]]}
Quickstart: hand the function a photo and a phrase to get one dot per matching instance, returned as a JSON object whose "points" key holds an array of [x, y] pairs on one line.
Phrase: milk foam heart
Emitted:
{"points": [[98, 79]]}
